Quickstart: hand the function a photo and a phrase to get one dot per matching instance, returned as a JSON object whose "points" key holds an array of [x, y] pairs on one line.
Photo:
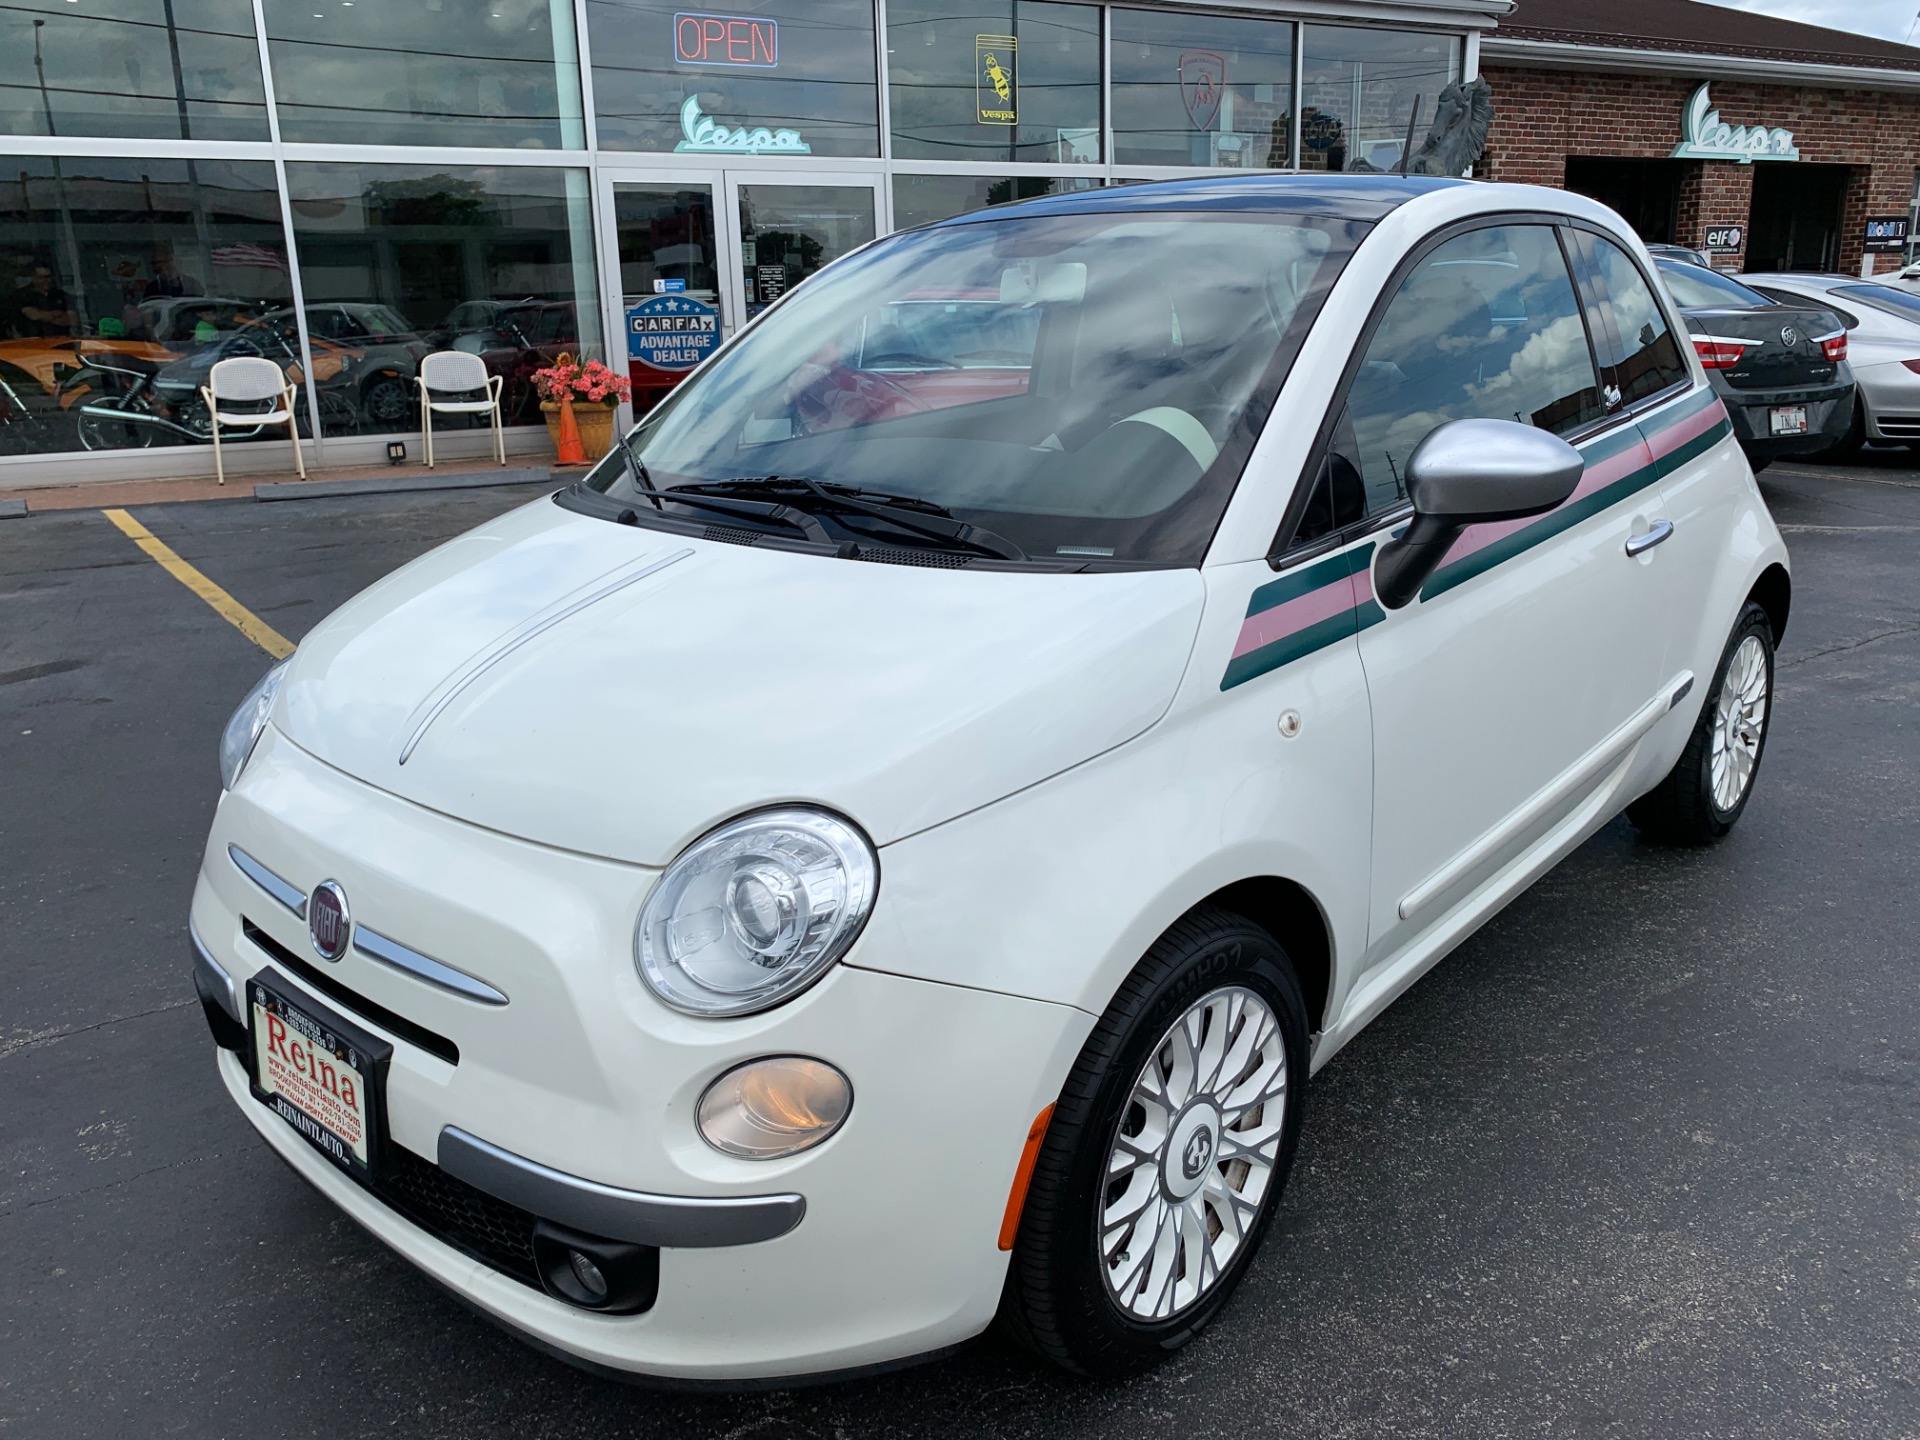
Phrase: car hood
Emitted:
{"points": [[618, 691]]}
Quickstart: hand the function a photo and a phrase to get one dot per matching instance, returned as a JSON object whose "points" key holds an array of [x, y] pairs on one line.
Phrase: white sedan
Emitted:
{"points": [[887, 850], [1883, 347]]}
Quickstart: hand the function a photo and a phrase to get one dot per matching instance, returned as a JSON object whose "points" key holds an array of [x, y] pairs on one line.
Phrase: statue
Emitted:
{"points": [[1458, 136]]}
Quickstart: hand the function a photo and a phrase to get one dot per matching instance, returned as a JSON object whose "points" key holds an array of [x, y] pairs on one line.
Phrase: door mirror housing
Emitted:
{"points": [[1472, 472]]}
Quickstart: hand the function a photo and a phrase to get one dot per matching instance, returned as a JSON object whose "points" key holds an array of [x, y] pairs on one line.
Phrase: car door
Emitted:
{"points": [[1509, 691], [1683, 423]]}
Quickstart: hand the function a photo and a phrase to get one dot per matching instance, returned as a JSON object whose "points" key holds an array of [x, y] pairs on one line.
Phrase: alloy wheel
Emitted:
{"points": [[1739, 723], [1194, 1155]]}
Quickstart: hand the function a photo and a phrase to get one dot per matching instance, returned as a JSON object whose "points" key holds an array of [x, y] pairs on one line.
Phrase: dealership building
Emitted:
{"points": [[345, 185]]}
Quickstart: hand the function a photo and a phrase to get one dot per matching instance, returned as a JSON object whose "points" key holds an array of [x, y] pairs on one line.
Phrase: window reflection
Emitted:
{"points": [[148, 69], [1363, 90], [1486, 328], [923, 199], [121, 281], [1651, 359], [1201, 90], [397, 260], [426, 72], [1003, 80], [802, 67]]}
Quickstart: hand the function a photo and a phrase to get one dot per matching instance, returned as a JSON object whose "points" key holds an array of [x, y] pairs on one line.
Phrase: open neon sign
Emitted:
{"points": [[731, 40]]}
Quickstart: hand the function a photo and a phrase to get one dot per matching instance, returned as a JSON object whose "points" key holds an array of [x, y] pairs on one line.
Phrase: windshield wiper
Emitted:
{"points": [[639, 469], [910, 513]]}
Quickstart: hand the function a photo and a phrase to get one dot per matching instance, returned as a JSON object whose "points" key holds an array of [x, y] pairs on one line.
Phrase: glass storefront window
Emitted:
{"points": [[500, 73], [1359, 89], [1204, 90], [121, 282], [144, 69], [1002, 80], [669, 247], [398, 260], [767, 78], [923, 199]]}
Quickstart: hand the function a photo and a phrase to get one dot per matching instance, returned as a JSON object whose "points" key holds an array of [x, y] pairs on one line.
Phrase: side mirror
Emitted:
{"points": [[1470, 472]]}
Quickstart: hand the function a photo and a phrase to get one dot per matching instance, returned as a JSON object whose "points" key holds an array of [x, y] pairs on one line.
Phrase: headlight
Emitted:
{"points": [[755, 912], [243, 730]]}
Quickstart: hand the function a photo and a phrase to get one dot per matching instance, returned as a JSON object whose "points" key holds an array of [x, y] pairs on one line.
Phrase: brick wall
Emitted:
{"points": [[1543, 116]]}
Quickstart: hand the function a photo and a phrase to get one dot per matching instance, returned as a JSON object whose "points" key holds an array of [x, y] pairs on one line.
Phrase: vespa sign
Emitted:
{"points": [[1705, 136]]}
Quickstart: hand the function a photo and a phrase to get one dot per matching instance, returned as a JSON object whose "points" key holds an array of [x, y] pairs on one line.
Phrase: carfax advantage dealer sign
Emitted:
{"points": [[672, 332]]}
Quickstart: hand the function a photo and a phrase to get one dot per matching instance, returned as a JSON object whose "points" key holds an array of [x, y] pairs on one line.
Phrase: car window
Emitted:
{"points": [[1884, 298], [1695, 288], [1486, 327], [1086, 386], [1650, 359], [1825, 302]]}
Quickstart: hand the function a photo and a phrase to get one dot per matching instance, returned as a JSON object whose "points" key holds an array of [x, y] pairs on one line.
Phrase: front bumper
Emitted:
{"points": [[574, 1101]]}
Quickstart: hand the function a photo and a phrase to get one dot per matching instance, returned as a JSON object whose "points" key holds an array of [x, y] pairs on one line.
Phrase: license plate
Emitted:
{"points": [[1789, 420], [319, 1073]]}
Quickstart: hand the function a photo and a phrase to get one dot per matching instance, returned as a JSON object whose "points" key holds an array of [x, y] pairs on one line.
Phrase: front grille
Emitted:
{"points": [[899, 555], [448, 1208]]}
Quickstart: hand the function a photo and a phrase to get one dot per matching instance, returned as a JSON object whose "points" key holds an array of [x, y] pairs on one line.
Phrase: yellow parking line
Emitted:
{"points": [[224, 605]]}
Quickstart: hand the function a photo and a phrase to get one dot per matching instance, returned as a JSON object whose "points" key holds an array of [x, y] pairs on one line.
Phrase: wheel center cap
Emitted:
{"points": [[1190, 1150]]}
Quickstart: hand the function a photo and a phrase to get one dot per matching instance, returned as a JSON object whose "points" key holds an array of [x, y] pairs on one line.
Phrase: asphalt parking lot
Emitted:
{"points": [[1642, 1158]]}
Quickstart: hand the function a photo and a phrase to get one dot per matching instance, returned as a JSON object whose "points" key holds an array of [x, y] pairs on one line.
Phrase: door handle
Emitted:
{"points": [[1661, 532]]}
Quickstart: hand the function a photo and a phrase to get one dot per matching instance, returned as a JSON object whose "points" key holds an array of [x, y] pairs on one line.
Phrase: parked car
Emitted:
{"points": [[1685, 254], [387, 353], [1883, 340], [1905, 278], [797, 894], [181, 320], [1781, 369]]}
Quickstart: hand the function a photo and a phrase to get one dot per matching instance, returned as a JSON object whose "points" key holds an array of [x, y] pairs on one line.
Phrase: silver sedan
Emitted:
{"points": [[1883, 346]]}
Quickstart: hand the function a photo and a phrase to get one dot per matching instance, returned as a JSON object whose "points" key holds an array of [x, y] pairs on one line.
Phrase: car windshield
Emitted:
{"points": [[1085, 387], [1883, 298], [1694, 287]]}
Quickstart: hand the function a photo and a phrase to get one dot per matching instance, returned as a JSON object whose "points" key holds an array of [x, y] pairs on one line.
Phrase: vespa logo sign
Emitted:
{"points": [[706, 136], [1705, 136]]}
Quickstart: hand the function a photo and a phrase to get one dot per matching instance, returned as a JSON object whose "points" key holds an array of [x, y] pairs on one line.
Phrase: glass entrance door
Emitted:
{"points": [[790, 226], [699, 253], [666, 244]]}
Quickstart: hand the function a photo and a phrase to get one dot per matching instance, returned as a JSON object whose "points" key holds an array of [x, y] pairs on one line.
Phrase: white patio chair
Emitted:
{"points": [[250, 380], [456, 372]]}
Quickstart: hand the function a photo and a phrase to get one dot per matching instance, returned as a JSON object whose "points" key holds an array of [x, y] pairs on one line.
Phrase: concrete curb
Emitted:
{"points": [[12, 509], [400, 484]]}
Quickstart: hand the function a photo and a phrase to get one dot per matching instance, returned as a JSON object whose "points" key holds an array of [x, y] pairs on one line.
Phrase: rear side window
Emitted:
{"points": [[1486, 327], [1650, 357]]}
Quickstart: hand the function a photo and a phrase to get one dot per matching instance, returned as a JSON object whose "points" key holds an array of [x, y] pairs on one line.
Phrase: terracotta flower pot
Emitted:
{"points": [[595, 423]]}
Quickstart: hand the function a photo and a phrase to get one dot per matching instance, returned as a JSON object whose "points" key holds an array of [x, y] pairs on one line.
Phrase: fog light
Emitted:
{"points": [[778, 1106], [588, 1274]]}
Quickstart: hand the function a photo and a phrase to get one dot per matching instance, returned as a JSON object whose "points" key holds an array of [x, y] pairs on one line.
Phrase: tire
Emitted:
{"points": [[1696, 804], [1216, 974], [386, 403]]}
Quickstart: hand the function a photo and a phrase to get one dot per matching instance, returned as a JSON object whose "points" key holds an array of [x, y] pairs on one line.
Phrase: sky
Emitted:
{"points": [[1888, 19]]}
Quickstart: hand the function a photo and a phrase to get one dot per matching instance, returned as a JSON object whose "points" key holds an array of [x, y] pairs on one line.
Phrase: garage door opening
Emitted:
{"points": [[1795, 223], [1645, 192]]}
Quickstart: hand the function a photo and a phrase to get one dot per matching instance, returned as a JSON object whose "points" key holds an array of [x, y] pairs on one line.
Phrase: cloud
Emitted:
{"points": [[1887, 19]]}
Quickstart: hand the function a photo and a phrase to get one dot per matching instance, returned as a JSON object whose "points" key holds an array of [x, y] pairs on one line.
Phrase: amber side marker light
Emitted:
{"points": [[1023, 1177]]}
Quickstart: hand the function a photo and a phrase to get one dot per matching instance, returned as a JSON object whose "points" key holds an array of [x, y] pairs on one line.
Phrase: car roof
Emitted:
{"points": [[1350, 197]]}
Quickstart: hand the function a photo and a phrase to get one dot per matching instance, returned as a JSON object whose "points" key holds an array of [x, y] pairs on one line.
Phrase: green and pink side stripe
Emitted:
{"points": [[1319, 604]]}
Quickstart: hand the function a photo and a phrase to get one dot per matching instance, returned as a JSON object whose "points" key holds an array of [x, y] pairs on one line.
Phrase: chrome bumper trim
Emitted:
{"points": [[424, 967], [279, 889], [670, 1221]]}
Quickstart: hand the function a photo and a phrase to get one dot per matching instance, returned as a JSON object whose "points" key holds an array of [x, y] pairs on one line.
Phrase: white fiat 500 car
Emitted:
{"points": [[888, 849]]}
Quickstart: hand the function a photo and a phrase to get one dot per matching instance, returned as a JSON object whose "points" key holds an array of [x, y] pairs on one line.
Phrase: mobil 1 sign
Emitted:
{"points": [[672, 332]]}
